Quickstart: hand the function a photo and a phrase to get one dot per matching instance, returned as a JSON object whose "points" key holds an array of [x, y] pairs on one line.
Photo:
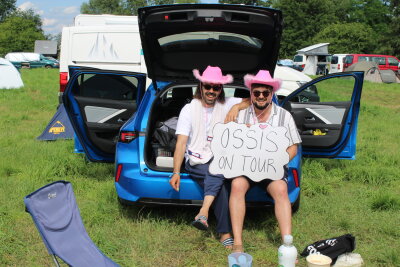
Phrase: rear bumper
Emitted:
{"points": [[156, 191]]}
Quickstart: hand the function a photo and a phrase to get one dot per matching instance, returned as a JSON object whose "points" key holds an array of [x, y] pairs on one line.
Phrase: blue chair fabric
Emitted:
{"points": [[56, 215]]}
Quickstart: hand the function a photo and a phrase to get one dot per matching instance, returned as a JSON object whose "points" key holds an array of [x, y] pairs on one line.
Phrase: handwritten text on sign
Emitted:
{"points": [[258, 152]]}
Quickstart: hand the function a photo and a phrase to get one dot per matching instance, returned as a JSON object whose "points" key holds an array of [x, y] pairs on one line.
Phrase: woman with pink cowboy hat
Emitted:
{"points": [[262, 110], [194, 129]]}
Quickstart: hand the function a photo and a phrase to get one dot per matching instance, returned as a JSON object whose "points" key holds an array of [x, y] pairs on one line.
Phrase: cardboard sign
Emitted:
{"points": [[258, 152]]}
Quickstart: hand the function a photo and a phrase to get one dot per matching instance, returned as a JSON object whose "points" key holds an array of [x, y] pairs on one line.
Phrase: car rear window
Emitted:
{"points": [[191, 37]]}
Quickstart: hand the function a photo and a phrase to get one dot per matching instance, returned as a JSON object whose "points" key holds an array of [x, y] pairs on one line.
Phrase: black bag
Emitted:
{"points": [[332, 247], [165, 133]]}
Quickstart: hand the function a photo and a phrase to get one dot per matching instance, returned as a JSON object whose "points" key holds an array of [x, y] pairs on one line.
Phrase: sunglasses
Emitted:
{"points": [[215, 87], [264, 93]]}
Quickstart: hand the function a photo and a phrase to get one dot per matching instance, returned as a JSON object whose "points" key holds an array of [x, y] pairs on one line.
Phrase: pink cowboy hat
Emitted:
{"points": [[262, 77], [212, 75]]}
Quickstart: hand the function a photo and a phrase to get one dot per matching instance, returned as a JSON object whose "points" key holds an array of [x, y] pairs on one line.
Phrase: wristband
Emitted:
{"points": [[174, 173]]}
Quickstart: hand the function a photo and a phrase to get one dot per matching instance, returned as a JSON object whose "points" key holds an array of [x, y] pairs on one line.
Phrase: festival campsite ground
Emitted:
{"points": [[360, 197]]}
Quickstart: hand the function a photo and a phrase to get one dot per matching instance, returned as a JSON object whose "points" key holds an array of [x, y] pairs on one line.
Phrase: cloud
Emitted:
{"points": [[49, 22], [71, 10], [29, 5], [26, 6]]}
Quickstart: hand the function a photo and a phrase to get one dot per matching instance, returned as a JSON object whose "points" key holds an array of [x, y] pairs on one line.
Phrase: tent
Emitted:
{"points": [[373, 73], [10, 78], [370, 69], [59, 127]]}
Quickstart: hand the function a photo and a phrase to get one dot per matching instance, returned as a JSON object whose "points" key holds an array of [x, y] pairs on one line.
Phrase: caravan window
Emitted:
{"points": [[298, 58]]}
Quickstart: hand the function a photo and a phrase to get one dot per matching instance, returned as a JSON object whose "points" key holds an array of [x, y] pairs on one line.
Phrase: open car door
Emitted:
{"points": [[98, 103], [328, 123]]}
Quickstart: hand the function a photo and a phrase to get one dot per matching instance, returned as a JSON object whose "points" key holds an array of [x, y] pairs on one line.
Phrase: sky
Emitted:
{"points": [[56, 14]]}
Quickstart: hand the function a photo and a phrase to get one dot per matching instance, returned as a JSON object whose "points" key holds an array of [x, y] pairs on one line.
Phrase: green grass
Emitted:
{"points": [[360, 197]]}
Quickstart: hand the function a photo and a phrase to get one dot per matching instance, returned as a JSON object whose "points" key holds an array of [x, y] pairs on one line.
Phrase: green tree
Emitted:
{"points": [[347, 38], [116, 7], [393, 36], [302, 21], [19, 31], [6, 7]]}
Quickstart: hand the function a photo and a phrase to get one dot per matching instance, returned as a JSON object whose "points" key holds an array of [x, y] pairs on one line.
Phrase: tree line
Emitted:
{"points": [[350, 26], [18, 29]]}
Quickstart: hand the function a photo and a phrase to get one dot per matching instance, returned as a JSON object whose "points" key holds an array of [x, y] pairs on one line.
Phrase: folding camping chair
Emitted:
{"points": [[56, 215]]}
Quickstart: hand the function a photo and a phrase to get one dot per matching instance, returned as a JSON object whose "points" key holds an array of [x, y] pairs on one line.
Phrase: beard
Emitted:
{"points": [[261, 107], [209, 101]]}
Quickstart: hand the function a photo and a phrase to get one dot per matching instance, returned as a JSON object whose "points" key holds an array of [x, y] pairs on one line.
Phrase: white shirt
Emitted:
{"points": [[184, 125]]}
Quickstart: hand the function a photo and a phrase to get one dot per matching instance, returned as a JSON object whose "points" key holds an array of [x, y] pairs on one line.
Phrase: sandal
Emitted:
{"points": [[201, 223], [227, 242]]}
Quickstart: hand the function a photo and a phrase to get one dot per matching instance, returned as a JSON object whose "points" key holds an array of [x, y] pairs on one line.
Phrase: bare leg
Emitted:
{"points": [[207, 202], [283, 209], [237, 207]]}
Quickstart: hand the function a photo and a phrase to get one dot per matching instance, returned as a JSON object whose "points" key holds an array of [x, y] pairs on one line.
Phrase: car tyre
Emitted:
{"points": [[48, 67]]}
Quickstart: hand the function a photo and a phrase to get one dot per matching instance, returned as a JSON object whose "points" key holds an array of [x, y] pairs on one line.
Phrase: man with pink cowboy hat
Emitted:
{"points": [[262, 110], [195, 124]]}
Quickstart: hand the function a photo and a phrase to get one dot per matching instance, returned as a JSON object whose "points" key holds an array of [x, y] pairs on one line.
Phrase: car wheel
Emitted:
{"points": [[48, 67], [296, 205]]}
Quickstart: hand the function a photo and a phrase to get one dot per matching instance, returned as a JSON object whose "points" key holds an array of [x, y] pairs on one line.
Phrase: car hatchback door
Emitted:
{"points": [[328, 128], [98, 103]]}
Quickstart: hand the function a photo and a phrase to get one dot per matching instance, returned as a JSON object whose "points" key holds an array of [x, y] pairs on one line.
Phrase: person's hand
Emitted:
{"points": [[175, 181], [232, 114]]}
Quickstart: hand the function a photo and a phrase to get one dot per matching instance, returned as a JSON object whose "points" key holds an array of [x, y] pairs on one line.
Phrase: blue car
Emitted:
{"points": [[117, 120]]}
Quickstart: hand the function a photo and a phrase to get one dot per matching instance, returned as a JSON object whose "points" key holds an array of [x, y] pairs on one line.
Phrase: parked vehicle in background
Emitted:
{"points": [[299, 62], [285, 63], [31, 60], [384, 62], [291, 81], [101, 41], [313, 60], [337, 63], [117, 120]]}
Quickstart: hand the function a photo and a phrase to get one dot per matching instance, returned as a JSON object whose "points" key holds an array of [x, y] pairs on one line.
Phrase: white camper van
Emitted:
{"points": [[313, 60], [101, 41], [337, 63]]}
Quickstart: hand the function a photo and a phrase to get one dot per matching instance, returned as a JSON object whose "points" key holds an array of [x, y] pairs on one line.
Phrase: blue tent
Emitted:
{"points": [[59, 127]]}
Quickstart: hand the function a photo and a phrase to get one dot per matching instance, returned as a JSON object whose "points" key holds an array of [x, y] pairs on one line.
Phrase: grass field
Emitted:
{"points": [[360, 197]]}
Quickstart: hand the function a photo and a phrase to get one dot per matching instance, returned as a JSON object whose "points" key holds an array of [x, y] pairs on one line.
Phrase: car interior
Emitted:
{"points": [[105, 102]]}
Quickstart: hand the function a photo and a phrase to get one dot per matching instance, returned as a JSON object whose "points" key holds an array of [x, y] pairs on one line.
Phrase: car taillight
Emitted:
{"points": [[63, 81], [127, 137], [338, 66], [296, 177], [118, 173], [302, 66]]}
